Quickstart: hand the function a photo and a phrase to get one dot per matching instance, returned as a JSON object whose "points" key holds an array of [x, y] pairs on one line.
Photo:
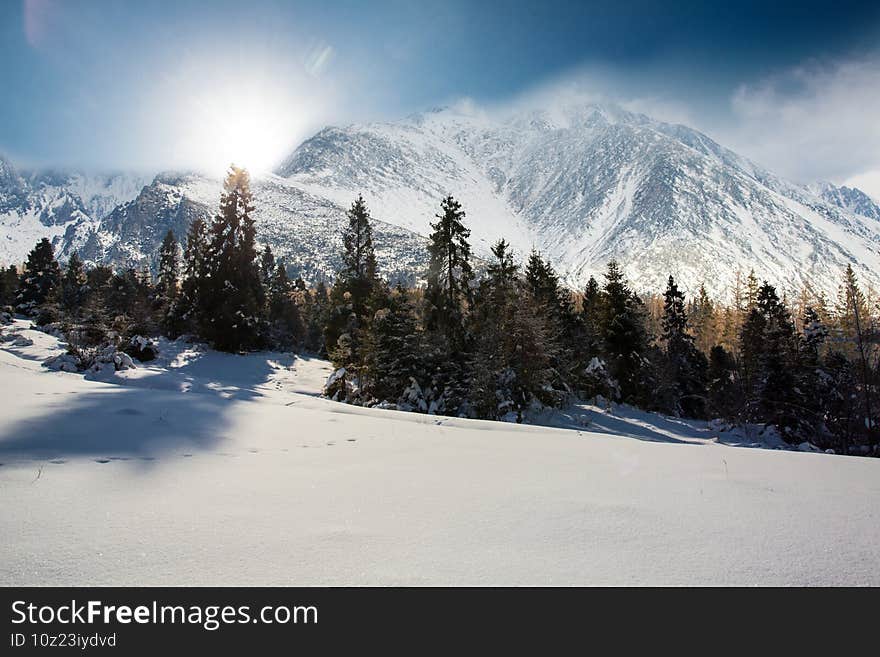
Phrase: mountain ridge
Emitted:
{"points": [[584, 183], [587, 183]]}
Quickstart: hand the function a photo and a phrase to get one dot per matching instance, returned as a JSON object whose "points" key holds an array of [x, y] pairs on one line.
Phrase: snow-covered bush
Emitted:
{"points": [[55, 329], [413, 399], [339, 387], [96, 359], [598, 382], [47, 314], [62, 363], [142, 348]]}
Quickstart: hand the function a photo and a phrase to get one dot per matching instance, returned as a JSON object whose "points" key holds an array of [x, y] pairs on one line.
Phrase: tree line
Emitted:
{"points": [[498, 344]]}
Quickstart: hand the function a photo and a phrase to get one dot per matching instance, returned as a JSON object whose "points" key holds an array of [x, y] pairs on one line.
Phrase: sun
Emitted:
{"points": [[254, 132], [214, 109], [252, 138], [239, 120]]}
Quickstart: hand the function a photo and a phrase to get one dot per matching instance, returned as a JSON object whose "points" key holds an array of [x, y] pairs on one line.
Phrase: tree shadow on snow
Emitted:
{"points": [[140, 419], [652, 427], [228, 376]]}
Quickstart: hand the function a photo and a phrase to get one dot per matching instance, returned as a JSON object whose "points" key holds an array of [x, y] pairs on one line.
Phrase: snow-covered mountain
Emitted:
{"points": [[53, 204], [587, 183], [583, 183], [122, 219], [849, 198], [303, 231]]}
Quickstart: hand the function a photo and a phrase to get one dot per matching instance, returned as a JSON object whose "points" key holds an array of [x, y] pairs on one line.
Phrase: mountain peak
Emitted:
{"points": [[588, 181], [850, 199]]}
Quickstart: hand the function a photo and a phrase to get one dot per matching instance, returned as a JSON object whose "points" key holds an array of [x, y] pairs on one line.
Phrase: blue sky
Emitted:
{"points": [[160, 84]]}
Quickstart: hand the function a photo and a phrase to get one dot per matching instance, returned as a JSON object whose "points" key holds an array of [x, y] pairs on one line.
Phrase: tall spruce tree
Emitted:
{"points": [[562, 328], [512, 354], [8, 285], [41, 276], [449, 273], [393, 348], [232, 294], [626, 342], [189, 305], [286, 326], [168, 286], [73, 286], [723, 394], [591, 318], [448, 296], [770, 357], [267, 266], [353, 290], [683, 386], [168, 278], [854, 318]]}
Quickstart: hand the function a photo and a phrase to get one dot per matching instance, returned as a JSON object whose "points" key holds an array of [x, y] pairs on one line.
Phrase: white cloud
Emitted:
{"points": [[868, 182], [815, 121], [597, 85]]}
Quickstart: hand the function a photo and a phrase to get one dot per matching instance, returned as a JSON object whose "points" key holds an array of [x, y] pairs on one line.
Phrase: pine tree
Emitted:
{"points": [[393, 348], [724, 398], [8, 285], [512, 354], [168, 286], [168, 278], [684, 387], [502, 270], [626, 343], [854, 320], [91, 331], [189, 305], [704, 322], [73, 285], [562, 325], [814, 335], [752, 289], [129, 303], [842, 403], [232, 295], [449, 273], [287, 330], [811, 375], [316, 316], [591, 318], [448, 295], [40, 277], [267, 266], [355, 285], [359, 258], [770, 356]]}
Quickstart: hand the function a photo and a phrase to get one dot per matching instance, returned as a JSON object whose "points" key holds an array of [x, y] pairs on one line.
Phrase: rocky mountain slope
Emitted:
{"points": [[588, 183], [583, 183], [83, 215], [36, 204], [850, 199]]}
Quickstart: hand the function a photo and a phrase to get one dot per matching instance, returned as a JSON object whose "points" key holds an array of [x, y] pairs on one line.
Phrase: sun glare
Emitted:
{"points": [[255, 133], [239, 117]]}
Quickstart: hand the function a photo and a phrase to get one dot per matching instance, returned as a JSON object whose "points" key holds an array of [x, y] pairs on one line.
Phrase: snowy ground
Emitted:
{"points": [[207, 468]]}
